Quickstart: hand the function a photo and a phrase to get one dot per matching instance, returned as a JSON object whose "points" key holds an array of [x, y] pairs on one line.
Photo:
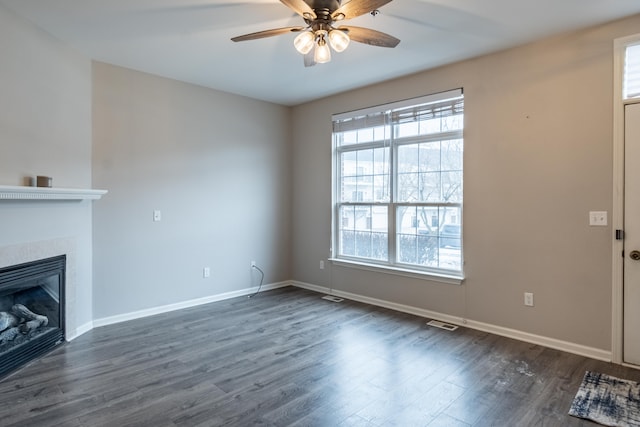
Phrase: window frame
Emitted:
{"points": [[393, 265]]}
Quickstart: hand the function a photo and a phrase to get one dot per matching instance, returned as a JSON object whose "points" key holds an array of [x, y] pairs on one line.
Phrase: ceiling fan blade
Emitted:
{"points": [[356, 8], [371, 37], [267, 33], [300, 7], [309, 60]]}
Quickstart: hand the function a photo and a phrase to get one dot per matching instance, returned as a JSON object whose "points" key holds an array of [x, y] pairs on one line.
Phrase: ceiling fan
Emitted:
{"points": [[321, 32]]}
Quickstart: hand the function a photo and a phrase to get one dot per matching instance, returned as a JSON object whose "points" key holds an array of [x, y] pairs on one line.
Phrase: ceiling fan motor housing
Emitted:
{"points": [[323, 4]]}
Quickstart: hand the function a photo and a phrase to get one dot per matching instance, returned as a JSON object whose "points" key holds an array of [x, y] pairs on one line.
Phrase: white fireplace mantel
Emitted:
{"points": [[8, 192]]}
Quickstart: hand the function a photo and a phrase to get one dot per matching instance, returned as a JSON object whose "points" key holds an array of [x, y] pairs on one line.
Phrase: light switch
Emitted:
{"points": [[157, 215], [598, 218]]}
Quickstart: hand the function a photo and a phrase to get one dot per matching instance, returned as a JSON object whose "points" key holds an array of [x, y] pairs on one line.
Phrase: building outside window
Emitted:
{"points": [[397, 199]]}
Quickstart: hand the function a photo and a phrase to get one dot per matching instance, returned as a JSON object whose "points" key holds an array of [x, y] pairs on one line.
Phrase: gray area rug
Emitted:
{"points": [[607, 400]]}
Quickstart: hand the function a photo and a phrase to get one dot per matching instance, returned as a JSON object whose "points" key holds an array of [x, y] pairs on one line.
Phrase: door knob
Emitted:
{"points": [[634, 255]]}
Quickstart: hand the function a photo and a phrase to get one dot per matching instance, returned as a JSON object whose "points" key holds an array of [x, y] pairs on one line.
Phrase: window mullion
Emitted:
{"points": [[443, 136], [362, 146], [393, 167]]}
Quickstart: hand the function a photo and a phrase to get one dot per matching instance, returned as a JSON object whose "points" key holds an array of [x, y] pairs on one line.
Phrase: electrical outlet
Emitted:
{"points": [[321, 264], [253, 264], [528, 299], [206, 272]]}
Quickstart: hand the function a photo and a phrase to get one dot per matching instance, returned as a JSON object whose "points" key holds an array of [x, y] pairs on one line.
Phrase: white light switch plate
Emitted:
{"points": [[598, 218]]}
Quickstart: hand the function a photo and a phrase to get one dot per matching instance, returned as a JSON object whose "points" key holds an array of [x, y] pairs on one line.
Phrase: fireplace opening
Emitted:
{"points": [[31, 311]]}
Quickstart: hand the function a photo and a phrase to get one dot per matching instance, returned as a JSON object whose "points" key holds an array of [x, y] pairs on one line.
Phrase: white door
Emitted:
{"points": [[632, 234]]}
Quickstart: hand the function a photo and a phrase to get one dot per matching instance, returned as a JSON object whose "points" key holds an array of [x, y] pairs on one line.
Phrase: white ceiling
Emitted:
{"points": [[189, 40]]}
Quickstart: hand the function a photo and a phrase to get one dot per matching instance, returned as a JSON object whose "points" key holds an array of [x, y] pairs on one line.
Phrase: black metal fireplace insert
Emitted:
{"points": [[31, 311]]}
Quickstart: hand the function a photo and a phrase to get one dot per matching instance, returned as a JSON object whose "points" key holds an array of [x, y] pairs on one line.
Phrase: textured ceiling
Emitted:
{"points": [[189, 40]]}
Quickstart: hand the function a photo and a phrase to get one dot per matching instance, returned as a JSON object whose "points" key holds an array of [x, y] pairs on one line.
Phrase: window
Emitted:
{"points": [[398, 185], [632, 72]]}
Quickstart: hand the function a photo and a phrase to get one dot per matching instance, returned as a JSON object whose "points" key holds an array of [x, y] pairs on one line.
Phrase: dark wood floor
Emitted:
{"points": [[288, 357]]}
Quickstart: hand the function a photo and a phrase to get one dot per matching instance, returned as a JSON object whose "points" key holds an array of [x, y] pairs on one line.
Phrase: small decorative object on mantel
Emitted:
{"points": [[44, 181]]}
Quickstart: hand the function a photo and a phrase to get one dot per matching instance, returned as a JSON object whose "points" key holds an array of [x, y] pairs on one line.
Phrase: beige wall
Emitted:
{"points": [[45, 129], [216, 165], [538, 158]]}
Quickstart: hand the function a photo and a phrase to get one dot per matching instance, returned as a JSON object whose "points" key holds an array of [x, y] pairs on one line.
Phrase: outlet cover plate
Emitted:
{"points": [[528, 299], [598, 218]]}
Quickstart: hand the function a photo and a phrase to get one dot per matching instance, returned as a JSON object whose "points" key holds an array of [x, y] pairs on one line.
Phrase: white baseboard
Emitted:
{"points": [[184, 304], [569, 347], [83, 329]]}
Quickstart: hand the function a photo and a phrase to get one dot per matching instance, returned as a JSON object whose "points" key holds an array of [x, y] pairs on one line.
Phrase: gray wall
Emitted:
{"points": [[45, 129], [538, 158], [218, 168]]}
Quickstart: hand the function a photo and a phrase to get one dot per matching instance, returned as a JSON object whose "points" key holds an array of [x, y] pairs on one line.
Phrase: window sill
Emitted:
{"points": [[451, 279]]}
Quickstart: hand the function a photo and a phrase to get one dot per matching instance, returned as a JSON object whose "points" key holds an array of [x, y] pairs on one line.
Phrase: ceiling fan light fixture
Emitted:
{"points": [[339, 40], [304, 42], [322, 53]]}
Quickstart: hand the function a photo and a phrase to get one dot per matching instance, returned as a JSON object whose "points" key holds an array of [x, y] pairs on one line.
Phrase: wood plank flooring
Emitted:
{"points": [[288, 357]]}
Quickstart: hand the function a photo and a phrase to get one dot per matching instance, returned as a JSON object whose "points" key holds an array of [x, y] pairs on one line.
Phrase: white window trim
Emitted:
{"points": [[443, 276]]}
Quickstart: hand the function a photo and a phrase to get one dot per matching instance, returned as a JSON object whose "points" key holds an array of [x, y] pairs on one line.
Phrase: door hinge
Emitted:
{"points": [[619, 234]]}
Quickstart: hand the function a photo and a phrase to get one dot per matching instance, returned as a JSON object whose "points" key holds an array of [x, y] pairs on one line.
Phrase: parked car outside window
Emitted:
{"points": [[450, 236]]}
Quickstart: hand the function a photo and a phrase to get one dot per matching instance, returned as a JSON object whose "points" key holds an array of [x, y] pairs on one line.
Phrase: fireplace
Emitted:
{"points": [[31, 310]]}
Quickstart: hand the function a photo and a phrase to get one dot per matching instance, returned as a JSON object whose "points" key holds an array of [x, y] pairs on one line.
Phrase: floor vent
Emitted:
{"points": [[442, 325], [332, 298]]}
